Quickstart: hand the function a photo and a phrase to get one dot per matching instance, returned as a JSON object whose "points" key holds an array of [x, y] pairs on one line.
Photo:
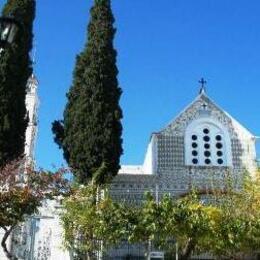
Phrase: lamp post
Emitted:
{"points": [[8, 30]]}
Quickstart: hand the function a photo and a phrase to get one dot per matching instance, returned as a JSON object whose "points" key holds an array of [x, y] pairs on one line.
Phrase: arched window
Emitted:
{"points": [[207, 143]]}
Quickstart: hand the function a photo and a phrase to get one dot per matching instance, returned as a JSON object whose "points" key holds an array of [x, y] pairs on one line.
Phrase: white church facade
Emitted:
{"points": [[199, 148], [203, 147]]}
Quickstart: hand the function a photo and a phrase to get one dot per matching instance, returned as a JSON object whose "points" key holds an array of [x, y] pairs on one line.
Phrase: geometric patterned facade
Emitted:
{"points": [[200, 148], [185, 153]]}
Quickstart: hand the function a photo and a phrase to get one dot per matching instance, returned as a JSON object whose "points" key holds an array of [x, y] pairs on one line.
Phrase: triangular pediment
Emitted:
{"points": [[203, 106]]}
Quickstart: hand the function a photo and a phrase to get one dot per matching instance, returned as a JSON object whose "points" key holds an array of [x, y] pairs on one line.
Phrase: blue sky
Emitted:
{"points": [[164, 47]]}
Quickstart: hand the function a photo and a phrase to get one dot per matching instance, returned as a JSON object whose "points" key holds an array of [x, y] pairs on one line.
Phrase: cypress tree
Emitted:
{"points": [[90, 133], [15, 69]]}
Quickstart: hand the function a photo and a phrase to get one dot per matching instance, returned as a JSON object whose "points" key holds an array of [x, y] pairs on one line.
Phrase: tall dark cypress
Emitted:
{"points": [[90, 133], [15, 69]]}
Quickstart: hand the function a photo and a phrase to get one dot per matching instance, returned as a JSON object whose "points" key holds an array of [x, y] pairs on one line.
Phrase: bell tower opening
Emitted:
{"points": [[207, 143]]}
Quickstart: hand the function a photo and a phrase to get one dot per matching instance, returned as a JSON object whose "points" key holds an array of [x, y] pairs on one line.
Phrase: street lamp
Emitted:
{"points": [[8, 30]]}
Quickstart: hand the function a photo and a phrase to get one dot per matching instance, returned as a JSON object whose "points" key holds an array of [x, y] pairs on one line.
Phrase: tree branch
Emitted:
{"points": [[191, 244], [3, 242]]}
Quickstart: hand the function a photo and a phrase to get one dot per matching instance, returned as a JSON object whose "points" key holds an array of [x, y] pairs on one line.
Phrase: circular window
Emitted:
{"points": [[195, 161], [206, 146], [194, 153], [206, 138], [219, 153], [220, 161], [208, 161], [194, 145], [194, 137], [207, 153], [218, 137], [219, 145], [206, 131]]}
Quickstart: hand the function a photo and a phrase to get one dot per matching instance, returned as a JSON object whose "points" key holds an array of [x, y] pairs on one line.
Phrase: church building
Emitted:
{"points": [[199, 148]]}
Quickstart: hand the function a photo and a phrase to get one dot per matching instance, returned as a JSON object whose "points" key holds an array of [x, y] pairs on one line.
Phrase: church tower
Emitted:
{"points": [[21, 237], [32, 103], [22, 244]]}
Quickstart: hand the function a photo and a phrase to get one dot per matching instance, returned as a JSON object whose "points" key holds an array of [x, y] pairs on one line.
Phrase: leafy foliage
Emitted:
{"points": [[90, 134], [15, 69], [225, 224], [21, 194], [237, 231], [186, 221], [89, 219]]}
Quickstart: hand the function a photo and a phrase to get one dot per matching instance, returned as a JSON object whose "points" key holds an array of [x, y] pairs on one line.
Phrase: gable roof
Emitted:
{"points": [[203, 96]]}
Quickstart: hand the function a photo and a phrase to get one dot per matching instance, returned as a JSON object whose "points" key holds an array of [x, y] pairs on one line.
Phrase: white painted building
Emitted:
{"points": [[40, 238], [32, 103], [199, 148], [47, 234]]}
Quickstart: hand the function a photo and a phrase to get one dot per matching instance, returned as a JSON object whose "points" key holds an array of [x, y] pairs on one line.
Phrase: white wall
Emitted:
{"points": [[150, 161]]}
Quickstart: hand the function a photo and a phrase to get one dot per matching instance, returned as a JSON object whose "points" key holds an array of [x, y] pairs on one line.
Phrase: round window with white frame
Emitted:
{"points": [[207, 143]]}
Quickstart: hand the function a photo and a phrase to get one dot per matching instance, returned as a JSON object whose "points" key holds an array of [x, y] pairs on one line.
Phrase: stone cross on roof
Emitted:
{"points": [[203, 83]]}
